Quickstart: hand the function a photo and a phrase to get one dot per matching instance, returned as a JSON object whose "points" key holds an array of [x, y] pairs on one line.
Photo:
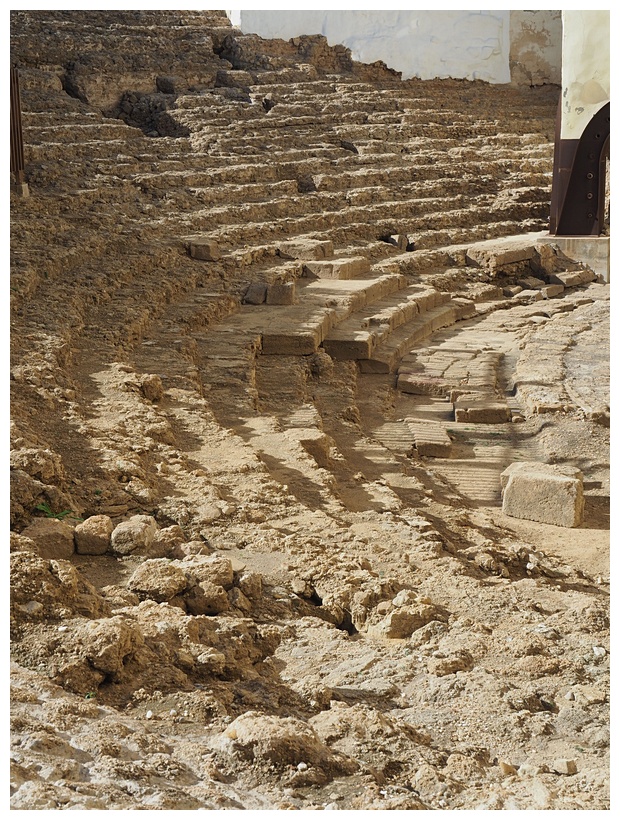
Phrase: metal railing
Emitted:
{"points": [[17, 140]]}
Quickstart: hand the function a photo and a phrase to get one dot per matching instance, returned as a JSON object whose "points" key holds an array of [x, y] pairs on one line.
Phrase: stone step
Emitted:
{"points": [[456, 373], [386, 357], [430, 438], [301, 329], [310, 213], [481, 408], [358, 336], [78, 132]]}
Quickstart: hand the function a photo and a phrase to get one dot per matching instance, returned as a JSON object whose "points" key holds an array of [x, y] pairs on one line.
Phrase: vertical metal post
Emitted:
{"points": [[17, 141]]}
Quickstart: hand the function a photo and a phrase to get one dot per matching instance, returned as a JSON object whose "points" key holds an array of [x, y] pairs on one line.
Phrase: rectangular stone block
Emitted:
{"points": [[531, 283], [497, 252], [307, 249], [548, 493], [569, 279], [348, 268], [529, 296], [430, 440], [421, 385], [204, 249], [549, 291], [281, 293], [476, 408], [360, 346], [292, 343], [464, 308]]}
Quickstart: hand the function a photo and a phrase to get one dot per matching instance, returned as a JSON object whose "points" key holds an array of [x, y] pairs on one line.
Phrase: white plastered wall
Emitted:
{"points": [[585, 68], [473, 45]]}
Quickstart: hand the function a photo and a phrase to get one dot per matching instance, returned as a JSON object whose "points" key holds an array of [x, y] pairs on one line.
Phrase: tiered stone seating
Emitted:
{"points": [[255, 149]]}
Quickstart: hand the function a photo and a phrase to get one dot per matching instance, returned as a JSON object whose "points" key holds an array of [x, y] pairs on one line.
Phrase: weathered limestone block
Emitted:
{"points": [[92, 536], [157, 579], [348, 268], [465, 308], [307, 249], [151, 387], [134, 535], [233, 79], [529, 296], [360, 346], [205, 249], [166, 542], [54, 538], [496, 253], [571, 279], [251, 584], [420, 384], [549, 291], [281, 742], [107, 642], [403, 622], [299, 342], [432, 441], [549, 493], [315, 442], [206, 598], [215, 569], [531, 283], [281, 293], [255, 294], [476, 408]]}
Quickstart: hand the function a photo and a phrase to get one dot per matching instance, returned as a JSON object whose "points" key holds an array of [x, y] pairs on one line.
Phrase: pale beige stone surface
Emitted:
{"points": [[551, 494]]}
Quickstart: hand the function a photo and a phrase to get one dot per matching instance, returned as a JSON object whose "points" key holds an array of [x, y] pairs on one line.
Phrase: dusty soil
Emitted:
{"points": [[236, 580]]}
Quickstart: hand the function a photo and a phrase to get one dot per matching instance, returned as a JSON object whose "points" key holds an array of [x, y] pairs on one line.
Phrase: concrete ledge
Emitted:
{"points": [[548, 493]]}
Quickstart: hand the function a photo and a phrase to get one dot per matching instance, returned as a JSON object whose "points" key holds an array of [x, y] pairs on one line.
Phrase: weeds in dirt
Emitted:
{"points": [[60, 516]]}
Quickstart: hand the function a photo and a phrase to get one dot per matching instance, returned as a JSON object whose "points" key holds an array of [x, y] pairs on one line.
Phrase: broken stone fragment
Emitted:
{"points": [[238, 600], [215, 569], [204, 249], [255, 294], [107, 642], [151, 387], [134, 535], [548, 493], [54, 538], [206, 598], [157, 579], [92, 536], [564, 766], [166, 542], [403, 621], [458, 661], [251, 584], [281, 741]]}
